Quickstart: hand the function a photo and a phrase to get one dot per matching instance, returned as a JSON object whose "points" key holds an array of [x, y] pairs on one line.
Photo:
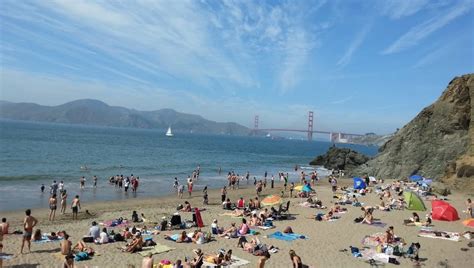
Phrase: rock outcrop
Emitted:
{"points": [[438, 143], [340, 159]]}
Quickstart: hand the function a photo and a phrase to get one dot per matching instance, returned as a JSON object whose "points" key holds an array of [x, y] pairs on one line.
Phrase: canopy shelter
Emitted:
{"points": [[414, 201], [443, 211], [359, 184], [416, 178]]}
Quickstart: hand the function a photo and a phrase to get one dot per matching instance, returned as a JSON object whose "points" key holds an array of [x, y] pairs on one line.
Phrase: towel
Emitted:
{"points": [[451, 236], [45, 239], [235, 262], [5, 256], [113, 223], [265, 227], [286, 237], [159, 248], [377, 224]]}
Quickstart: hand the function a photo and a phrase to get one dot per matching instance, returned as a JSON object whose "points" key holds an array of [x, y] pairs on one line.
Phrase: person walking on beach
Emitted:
{"points": [[28, 224], [223, 193], [180, 190], [333, 184], [61, 187], [63, 201], [53, 205], [75, 206]]}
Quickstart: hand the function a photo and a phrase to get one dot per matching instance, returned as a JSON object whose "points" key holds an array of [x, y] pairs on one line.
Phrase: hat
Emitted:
{"points": [[197, 251]]}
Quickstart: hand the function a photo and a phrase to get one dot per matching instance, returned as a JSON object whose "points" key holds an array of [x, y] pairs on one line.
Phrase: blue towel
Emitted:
{"points": [[286, 237]]}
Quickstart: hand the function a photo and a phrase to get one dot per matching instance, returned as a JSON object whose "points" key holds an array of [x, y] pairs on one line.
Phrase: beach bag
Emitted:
{"points": [[88, 239], [81, 256], [179, 207], [149, 243], [118, 237]]}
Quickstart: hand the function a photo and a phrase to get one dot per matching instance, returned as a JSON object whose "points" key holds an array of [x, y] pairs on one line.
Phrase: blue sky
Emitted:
{"points": [[361, 66]]}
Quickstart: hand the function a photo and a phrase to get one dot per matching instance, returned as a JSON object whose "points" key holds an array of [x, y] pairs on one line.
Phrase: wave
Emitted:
{"points": [[29, 178]]}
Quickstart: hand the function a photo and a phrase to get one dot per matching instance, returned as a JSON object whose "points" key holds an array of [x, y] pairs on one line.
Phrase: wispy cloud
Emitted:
{"points": [[397, 9], [358, 40], [341, 101], [423, 30]]}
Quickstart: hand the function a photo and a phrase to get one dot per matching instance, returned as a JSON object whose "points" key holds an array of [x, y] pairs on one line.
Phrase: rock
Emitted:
{"points": [[433, 143], [340, 159]]}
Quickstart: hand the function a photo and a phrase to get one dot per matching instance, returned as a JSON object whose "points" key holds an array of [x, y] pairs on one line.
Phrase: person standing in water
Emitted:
{"points": [[75, 206], [42, 188], [95, 181], [53, 205], [82, 182], [175, 184], [28, 224]]}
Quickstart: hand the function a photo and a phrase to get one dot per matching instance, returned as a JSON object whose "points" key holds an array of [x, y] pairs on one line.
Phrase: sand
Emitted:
{"points": [[322, 249]]}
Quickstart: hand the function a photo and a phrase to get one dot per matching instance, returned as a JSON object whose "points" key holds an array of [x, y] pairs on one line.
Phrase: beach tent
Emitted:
{"points": [[443, 211], [359, 184], [414, 202], [416, 178]]}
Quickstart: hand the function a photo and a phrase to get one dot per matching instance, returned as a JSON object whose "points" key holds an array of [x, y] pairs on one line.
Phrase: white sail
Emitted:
{"points": [[169, 133]]}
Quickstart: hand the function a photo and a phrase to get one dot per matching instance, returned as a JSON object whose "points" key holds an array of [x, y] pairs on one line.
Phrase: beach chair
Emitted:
{"points": [[175, 222], [286, 209]]}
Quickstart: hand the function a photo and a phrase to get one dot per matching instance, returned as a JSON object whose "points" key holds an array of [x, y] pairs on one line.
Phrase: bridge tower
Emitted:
{"points": [[255, 125], [310, 125]]}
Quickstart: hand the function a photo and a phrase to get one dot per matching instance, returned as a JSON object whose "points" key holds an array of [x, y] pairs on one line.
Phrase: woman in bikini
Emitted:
{"points": [[53, 205], [295, 260]]}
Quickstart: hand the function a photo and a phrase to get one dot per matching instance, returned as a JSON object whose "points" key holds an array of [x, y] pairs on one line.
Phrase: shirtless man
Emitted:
{"points": [[28, 224], [4, 226], [66, 245], [75, 205], [148, 261]]}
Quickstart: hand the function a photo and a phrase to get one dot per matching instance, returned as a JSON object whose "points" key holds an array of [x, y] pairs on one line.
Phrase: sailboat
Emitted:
{"points": [[169, 133]]}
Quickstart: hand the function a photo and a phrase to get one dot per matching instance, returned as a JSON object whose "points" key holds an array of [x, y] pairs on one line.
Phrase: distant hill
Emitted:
{"points": [[97, 113]]}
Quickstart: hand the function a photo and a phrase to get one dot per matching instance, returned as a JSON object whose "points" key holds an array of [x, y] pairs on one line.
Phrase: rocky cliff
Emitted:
{"points": [[438, 143], [340, 159]]}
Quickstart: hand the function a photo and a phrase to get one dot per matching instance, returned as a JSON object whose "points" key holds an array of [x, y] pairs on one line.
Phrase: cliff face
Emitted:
{"points": [[438, 143]]}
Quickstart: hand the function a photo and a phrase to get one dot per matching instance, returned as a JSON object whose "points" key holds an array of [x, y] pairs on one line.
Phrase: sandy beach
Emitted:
{"points": [[321, 249]]}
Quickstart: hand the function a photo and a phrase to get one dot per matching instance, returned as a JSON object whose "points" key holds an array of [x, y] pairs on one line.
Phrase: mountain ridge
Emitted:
{"points": [[98, 113]]}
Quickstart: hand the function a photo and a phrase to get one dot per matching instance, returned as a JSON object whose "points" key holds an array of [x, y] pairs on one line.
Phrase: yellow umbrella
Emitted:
{"points": [[299, 188], [271, 200], [469, 222]]}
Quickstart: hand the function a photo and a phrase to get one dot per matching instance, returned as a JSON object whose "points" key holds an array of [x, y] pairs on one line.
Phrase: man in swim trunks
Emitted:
{"points": [[28, 224], [76, 205]]}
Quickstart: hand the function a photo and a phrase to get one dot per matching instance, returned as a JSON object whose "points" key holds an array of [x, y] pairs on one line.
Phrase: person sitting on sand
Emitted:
{"points": [[248, 246], [232, 232], [37, 236], [103, 237], [227, 204], [217, 259], [414, 220], [187, 207], [382, 205], [69, 261], [94, 231], [389, 236], [295, 260], [254, 220], [82, 247], [135, 217], [240, 203], [368, 217], [136, 244], [228, 256], [198, 260], [215, 228], [244, 228], [127, 234], [257, 203], [198, 237], [263, 214], [147, 261], [251, 205], [66, 245]]}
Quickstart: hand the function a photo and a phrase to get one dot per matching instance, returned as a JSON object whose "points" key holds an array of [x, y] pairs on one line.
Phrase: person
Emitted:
{"points": [[63, 201], [61, 186], [136, 244], [223, 193], [127, 234], [333, 184], [147, 261], [232, 232], [135, 216], [103, 237], [4, 226], [75, 206], [227, 204], [368, 217], [180, 190], [94, 231], [241, 203], [95, 181], [28, 224], [272, 181], [205, 196], [262, 260], [292, 188], [198, 237], [415, 219], [244, 228], [215, 228], [69, 261], [126, 184], [228, 256], [66, 245], [187, 207], [469, 208], [175, 184], [389, 235], [295, 260], [82, 182], [53, 188], [257, 203], [190, 186], [42, 188], [198, 260], [53, 205]]}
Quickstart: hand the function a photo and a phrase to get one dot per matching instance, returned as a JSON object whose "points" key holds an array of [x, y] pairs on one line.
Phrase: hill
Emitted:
{"points": [[438, 143], [94, 112]]}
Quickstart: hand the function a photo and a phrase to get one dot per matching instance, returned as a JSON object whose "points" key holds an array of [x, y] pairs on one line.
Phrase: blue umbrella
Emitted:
{"points": [[416, 178], [306, 189], [359, 184]]}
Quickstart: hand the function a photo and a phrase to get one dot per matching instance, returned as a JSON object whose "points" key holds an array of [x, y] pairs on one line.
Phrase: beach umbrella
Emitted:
{"points": [[359, 184], [469, 222], [271, 200], [416, 178], [299, 188], [414, 201], [443, 211]]}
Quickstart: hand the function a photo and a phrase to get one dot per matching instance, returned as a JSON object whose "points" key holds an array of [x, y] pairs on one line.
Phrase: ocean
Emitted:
{"points": [[32, 154]]}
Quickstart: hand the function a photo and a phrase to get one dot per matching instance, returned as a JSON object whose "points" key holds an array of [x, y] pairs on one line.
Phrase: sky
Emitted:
{"points": [[361, 66]]}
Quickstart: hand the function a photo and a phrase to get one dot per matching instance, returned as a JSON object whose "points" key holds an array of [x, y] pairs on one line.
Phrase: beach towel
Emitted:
{"points": [[235, 262], [286, 237], [45, 239], [231, 214], [159, 248], [5, 256], [175, 237], [372, 240], [376, 224], [451, 236], [265, 227]]}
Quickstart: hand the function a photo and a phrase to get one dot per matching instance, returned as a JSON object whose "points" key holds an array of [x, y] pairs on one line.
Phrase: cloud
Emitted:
{"points": [[423, 30], [396, 9], [360, 37], [341, 101]]}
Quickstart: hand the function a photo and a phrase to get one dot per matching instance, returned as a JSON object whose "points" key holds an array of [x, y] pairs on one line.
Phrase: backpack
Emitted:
{"points": [[118, 237]]}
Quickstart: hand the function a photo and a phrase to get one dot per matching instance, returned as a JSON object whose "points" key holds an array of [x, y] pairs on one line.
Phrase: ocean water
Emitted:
{"points": [[32, 154]]}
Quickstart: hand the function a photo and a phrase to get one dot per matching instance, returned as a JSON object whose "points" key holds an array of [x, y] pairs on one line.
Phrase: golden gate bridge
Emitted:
{"points": [[334, 136]]}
